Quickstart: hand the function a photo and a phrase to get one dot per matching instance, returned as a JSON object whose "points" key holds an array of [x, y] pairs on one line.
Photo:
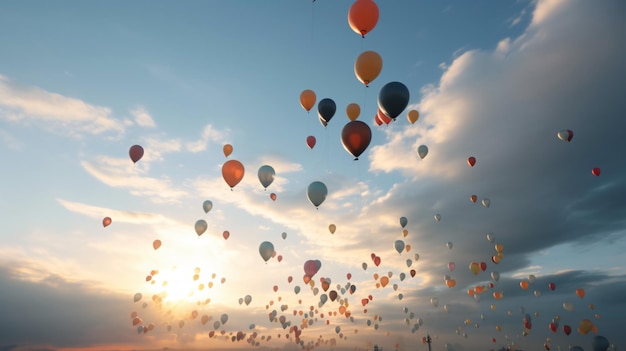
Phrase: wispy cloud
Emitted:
{"points": [[209, 134], [55, 112], [142, 117]]}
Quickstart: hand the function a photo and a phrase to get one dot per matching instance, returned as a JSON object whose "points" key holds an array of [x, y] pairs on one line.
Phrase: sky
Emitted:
{"points": [[81, 82]]}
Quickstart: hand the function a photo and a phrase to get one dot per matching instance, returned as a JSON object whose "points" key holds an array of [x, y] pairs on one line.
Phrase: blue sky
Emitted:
{"points": [[81, 82]]}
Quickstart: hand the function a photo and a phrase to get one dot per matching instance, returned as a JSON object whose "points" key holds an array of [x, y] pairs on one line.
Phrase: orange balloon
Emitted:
{"points": [[523, 284], [156, 244], [450, 283], [307, 99], [384, 281], [363, 16], [228, 149], [368, 66], [580, 292], [232, 172], [106, 221], [413, 116], [353, 111]]}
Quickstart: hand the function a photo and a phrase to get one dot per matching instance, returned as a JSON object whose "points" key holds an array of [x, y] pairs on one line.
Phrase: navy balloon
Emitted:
{"points": [[326, 109], [393, 98]]}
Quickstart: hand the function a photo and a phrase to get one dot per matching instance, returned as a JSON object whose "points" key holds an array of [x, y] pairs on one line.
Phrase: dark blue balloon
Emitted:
{"points": [[393, 99], [326, 109]]}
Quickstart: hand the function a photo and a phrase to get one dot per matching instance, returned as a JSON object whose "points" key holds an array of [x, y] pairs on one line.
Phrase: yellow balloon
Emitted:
{"points": [[353, 111], [368, 66], [413, 116]]}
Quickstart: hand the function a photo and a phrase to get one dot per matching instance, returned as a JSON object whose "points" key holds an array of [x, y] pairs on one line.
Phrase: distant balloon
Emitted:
{"points": [[473, 198], [332, 228], [599, 343], [434, 301], [226, 234], [266, 175], [273, 196], [106, 221], [580, 292], [201, 226], [326, 110], [311, 267], [399, 246], [284, 235], [565, 135], [137, 297], [393, 99], [403, 222], [449, 245], [412, 116], [227, 149], [353, 111], [596, 172], [307, 99], [156, 244], [266, 249], [207, 206], [136, 153], [363, 16], [438, 217], [232, 172], [356, 137], [367, 66], [471, 161], [486, 202], [422, 151], [311, 141], [316, 192]]}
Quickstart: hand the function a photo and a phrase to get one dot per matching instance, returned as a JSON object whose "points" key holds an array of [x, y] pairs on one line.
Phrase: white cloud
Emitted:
{"points": [[142, 117], [209, 134], [61, 114]]}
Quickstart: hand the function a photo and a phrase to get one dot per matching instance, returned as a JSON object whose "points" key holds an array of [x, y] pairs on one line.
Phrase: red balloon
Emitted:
{"points": [[356, 137], [378, 121], [471, 161], [106, 221], [473, 198], [413, 272], [135, 153], [383, 117], [596, 171], [567, 329], [363, 16], [552, 286], [483, 266], [273, 196], [310, 141]]}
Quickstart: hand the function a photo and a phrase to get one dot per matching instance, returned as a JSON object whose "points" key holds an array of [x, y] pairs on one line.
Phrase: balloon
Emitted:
{"points": [[326, 110], [353, 111], [363, 16], [227, 149], [568, 306], [136, 153], [434, 301], [380, 115], [399, 245], [356, 137], [449, 245], [580, 292], [474, 267], [368, 66], [266, 175], [451, 266], [471, 161], [224, 318], [596, 172], [491, 238], [565, 135], [523, 284], [566, 329], [284, 235], [486, 202], [599, 343], [473, 198], [226, 234], [332, 228], [438, 218], [412, 116], [207, 206], [156, 244], [307, 99], [266, 249], [310, 141], [137, 297], [495, 276], [273, 196], [316, 192], [232, 172], [201, 226], [552, 286], [450, 283], [106, 221], [393, 99], [403, 222], [311, 267], [422, 151]]}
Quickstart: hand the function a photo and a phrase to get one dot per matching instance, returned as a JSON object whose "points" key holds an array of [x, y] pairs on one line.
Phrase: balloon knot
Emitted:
{"points": [[356, 158]]}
